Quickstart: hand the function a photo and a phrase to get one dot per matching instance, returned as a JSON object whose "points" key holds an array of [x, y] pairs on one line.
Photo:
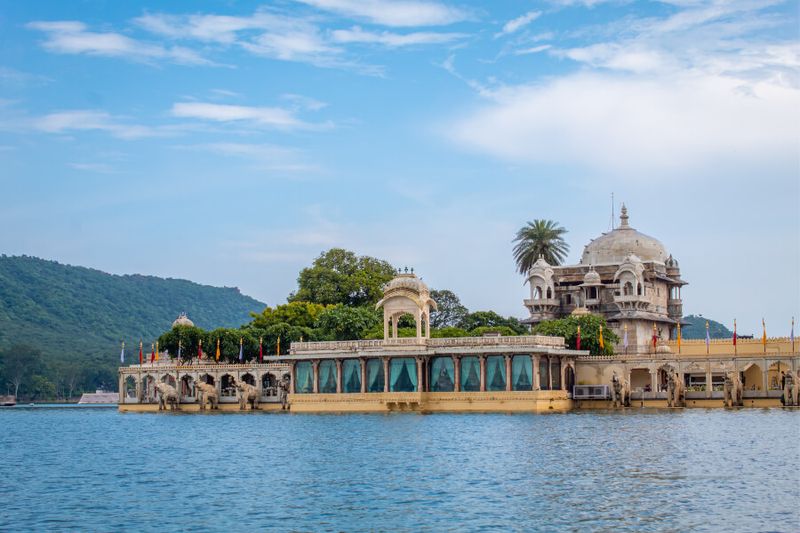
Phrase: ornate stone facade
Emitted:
{"points": [[625, 276]]}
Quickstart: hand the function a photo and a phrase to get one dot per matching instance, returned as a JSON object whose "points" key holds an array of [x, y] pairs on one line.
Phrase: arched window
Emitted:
{"points": [[593, 293], [304, 377], [351, 375], [639, 289], [568, 299], [549, 293], [537, 293], [327, 377], [627, 290]]}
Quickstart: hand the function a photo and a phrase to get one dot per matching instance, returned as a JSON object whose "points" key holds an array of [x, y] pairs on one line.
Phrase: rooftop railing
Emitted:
{"points": [[465, 342]]}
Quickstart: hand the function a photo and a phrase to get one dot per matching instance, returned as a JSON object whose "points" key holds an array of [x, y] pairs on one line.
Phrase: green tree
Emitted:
{"points": [[490, 319], [295, 313], [590, 332], [341, 277], [539, 238], [483, 330], [347, 323], [448, 332], [189, 338], [19, 363], [41, 388], [450, 311]]}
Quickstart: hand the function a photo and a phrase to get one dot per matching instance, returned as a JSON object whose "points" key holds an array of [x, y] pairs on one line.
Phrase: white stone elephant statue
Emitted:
{"points": [[167, 395], [789, 390], [676, 392], [207, 392], [620, 392], [732, 390], [248, 395]]}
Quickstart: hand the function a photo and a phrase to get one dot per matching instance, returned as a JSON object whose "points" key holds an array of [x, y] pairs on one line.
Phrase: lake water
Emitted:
{"points": [[94, 469]]}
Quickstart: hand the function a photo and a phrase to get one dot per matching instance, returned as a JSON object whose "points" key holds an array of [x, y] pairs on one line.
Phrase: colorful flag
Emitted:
{"points": [[708, 338], [200, 349], [141, 355], [152, 353], [241, 353], [735, 336], [625, 336], [679, 335], [600, 339], [791, 336], [157, 351], [217, 349], [179, 349], [279, 344], [578, 339], [764, 334], [260, 350], [655, 335], [122, 354]]}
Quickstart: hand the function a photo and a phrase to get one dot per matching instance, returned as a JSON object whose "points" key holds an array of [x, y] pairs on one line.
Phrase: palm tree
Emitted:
{"points": [[539, 238]]}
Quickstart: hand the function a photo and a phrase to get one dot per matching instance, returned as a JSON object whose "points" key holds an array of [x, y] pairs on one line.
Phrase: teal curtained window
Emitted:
{"points": [[442, 374], [351, 375], [495, 372], [327, 376], [555, 368], [304, 377], [403, 374], [521, 372], [544, 373], [470, 374], [374, 375]]}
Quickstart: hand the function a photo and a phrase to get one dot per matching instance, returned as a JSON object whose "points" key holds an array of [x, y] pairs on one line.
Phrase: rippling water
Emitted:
{"points": [[94, 469]]}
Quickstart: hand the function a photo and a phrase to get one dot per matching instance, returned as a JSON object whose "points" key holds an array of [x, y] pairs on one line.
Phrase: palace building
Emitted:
{"points": [[624, 275]]}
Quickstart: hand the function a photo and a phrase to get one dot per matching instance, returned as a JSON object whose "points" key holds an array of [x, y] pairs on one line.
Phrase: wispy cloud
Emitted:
{"points": [[73, 37], [100, 168], [269, 117], [518, 23], [393, 13], [92, 119], [532, 50], [263, 156], [385, 38]]}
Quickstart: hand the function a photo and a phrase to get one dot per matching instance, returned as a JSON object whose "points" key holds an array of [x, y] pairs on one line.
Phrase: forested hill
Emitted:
{"points": [[80, 315], [696, 328]]}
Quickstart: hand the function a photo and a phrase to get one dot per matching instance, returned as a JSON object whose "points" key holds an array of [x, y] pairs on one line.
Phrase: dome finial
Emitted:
{"points": [[623, 217]]}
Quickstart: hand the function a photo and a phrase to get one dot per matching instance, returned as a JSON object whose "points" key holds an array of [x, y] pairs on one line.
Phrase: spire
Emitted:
{"points": [[623, 217]]}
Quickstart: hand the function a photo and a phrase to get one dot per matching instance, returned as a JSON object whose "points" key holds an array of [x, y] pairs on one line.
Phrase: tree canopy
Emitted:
{"points": [[539, 238], [341, 277], [590, 332], [451, 311]]}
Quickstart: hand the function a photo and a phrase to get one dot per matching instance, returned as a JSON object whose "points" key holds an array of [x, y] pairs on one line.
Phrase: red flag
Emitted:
{"points": [[152, 354], [260, 351], [655, 335], [734, 332], [141, 355], [200, 349], [578, 339]]}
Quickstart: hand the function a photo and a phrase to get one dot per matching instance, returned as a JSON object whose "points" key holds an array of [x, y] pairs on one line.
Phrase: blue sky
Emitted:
{"points": [[230, 143]]}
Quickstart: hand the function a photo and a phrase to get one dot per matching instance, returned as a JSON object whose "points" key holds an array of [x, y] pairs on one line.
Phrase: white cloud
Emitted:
{"points": [[532, 50], [100, 168], [265, 156], [393, 13], [637, 127], [518, 23], [90, 119], [72, 37], [272, 117], [358, 35]]}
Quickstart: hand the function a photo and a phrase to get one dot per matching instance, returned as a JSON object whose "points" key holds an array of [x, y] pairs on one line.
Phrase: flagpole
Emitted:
{"points": [[792, 335], [735, 346]]}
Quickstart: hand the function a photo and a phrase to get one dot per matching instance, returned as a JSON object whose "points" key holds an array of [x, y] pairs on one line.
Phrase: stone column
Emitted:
{"points": [[121, 389], [386, 327], [508, 371], [654, 383], [385, 374], [420, 376], [537, 379], [419, 324], [765, 373], [482, 359], [363, 363], [562, 367], [315, 366], [338, 376], [549, 373], [456, 373], [708, 379], [292, 388], [394, 325]]}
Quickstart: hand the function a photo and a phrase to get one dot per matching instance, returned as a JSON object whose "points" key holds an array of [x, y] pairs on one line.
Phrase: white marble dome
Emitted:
{"points": [[182, 320], [613, 247], [407, 281], [592, 278]]}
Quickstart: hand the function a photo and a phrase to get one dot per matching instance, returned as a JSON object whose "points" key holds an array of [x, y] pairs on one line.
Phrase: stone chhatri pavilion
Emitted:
{"points": [[624, 275]]}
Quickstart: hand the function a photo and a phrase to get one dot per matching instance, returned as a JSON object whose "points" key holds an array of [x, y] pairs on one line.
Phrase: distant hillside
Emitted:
{"points": [[80, 315], [696, 328]]}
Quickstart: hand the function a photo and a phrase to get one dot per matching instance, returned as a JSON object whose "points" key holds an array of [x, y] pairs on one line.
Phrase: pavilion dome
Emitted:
{"points": [[592, 278], [182, 320], [408, 281], [613, 247]]}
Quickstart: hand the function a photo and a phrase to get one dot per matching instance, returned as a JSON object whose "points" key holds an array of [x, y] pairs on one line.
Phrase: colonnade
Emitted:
{"points": [[444, 373]]}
